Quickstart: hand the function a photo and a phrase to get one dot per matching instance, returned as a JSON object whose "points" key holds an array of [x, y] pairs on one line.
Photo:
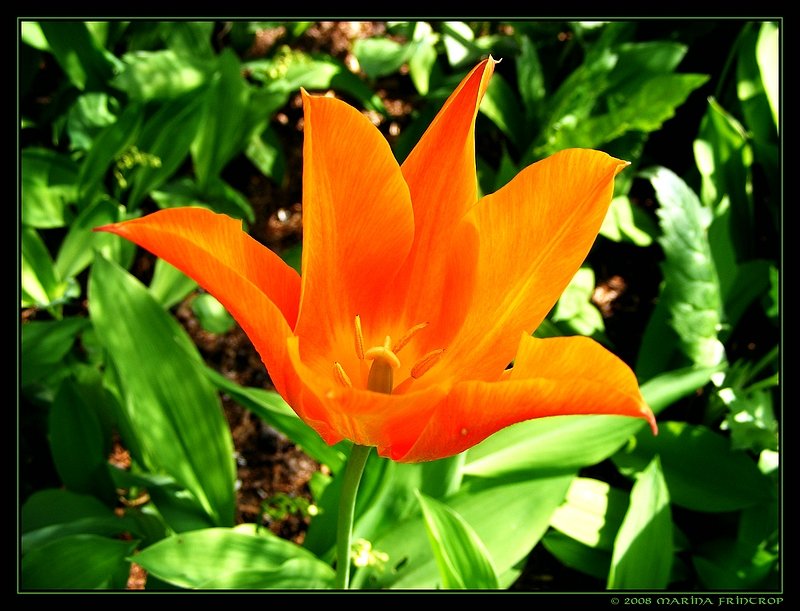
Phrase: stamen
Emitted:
{"points": [[383, 354], [408, 336], [341, 375], [426, 362], [381, 372], [359, 338]]}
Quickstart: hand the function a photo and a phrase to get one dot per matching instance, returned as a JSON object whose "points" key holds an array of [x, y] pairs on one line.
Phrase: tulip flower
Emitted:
{"points": [[410, 326]]}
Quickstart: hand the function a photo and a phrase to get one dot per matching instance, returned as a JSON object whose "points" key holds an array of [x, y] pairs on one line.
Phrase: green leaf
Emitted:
{"points": [[85, 62], [109, 144], [751, 419], [575, 310], [725, 564], [530, 77], [592, 513], [53, 506], [212, 314], [752, 280], [48, 186], [216, 555], [459, 42], [77, 250], [170, 285], [31, 34], [90, 113], [41, 286], [642, 557], [45, 344], [77, 440], [172, 407], [590, 560], [380, 56], [270, 407], [222, 133], [702, 471], [510, 517], [625, 222], [294, 574], [768, 54], [501, 106], [293, 256], [572, 442], [167, 135], [265, 151], [191, 39], [422, 61], [462, 559], [160, 75], [77, 562], [691, 290], [219, 197]]}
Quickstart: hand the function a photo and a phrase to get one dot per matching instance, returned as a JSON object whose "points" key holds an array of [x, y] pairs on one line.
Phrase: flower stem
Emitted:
{"points": [[347, 507]]}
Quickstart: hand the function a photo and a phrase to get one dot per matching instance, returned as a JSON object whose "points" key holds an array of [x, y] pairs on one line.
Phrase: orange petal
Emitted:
{"points": [[534, 234], [392, 423], [358, 224], [440, 171], [259, 290], [551, 377]]}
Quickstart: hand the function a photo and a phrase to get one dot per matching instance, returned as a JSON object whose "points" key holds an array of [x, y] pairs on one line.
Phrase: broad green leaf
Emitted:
{"points": [[294, 574], [172, 407], [768, 54], [380, 56], [31, 34], [575, 555], [645, 109], [105, 524], [170, 285], [52, 506], [109, 144], [702, 471], [219, 197], [167, 135], [160, 75], [572, 442], [90, 113], [726, 564], [48, 186], [501, 106], [191, 39], [41, 285], [592, 513], [510, 517], [211, 314], [223, 128], [84, 61], [625, 222], [77, 250], [77, 440], [751, 419], [751, 282], [462, 559], [458, 42], [642, 556], [77, 562], [575, 310], [276, 412], [195, 559], [45, 344], [265, 151], [422, 61], [530, 78], [691, 289], [176, 507]]}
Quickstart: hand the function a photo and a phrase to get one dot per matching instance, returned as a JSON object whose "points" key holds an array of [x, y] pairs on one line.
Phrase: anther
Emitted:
{"points": [[426, 362], [359, 339], [341, 375], [408, 336]]}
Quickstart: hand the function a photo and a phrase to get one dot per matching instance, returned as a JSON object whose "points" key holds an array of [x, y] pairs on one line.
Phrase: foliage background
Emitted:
{"points": [[119, 118]]}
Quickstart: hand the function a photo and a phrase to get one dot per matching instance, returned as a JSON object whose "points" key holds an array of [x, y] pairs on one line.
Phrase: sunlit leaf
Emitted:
{"points": [[48, 186], [211, 314], [160, 75], [462, 559], [626, 222], [90, 113], [85, 62], [592, 512], [642, 556], [172, 407], [77, 562]]}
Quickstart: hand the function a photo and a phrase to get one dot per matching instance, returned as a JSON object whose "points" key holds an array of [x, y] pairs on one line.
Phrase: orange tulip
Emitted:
{"points": [[415, 295]]}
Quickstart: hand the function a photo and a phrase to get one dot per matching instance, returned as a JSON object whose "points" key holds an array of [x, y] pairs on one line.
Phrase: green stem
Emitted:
{"points": [[347, 508], [441, 478]]}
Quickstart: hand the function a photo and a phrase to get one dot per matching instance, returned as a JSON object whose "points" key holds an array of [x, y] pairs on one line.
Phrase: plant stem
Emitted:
{"points": [[347, 508]]}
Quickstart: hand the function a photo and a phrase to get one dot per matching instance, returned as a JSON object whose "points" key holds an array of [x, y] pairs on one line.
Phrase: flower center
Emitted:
{"points": [[385, 360]]}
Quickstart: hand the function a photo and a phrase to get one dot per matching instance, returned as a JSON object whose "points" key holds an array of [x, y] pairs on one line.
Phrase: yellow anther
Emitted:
{"points": [[426, 362], [359, 338], [408, 336], [341, 375]]}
